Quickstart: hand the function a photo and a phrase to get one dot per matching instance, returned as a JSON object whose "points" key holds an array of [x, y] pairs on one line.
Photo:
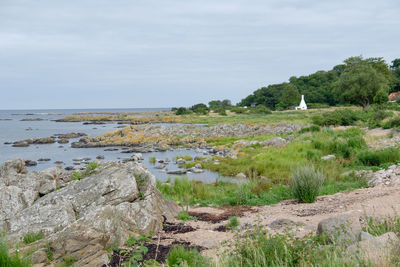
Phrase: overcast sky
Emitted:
{"points": [[146, 53]]}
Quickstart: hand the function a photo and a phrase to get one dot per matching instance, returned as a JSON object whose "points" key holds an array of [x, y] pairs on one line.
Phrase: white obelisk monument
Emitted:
{"points": [[302, 105]]}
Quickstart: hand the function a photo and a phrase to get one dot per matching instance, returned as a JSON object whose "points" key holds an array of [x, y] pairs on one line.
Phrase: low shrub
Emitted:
{"points": [[342, 117], [392, 123], [379, 157], [181, 256], [260, 109], [312, 128], [306, 183], [239, 110]]}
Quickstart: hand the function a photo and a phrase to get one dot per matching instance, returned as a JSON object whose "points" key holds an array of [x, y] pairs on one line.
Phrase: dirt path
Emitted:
{"points": [[377, 201]]}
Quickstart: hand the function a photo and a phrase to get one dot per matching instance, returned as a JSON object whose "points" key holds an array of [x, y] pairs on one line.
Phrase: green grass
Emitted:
{"points": [[90, 168], [185, 157], [300, 117], [260, 248], [7, 260], [152, 160], [184, 216], [380, 226], [181, 256], [228, 141], [233, 222], [255, 192], [32, 237]]}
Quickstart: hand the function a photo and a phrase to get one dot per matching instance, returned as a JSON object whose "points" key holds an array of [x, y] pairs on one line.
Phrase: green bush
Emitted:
{"points": [[260, 109], [379, 157], [182, 111], [200, 109], [392, 123], [239, 110], [221, 111], [92, 166], [342, 117], [180, 256], [306, 183], [312, 128]]}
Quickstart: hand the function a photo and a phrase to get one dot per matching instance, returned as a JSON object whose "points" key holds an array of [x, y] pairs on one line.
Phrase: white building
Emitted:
{"points": [[302, 105]]}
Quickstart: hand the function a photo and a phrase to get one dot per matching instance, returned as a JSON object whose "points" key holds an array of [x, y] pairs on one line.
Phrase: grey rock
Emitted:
{"points": [[283, 224], [159, 166], [210, 244], [342, 228], [241, 175], [63, 141], [177, 172], [30, 163], [328, 157], [366, 236], [376, 250], [195, 170], [39, 256], [198, 166], [100, 157], [274, 141]]}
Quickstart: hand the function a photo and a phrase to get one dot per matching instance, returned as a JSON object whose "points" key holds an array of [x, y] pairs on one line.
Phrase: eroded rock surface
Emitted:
{"points": [[81, 218]]}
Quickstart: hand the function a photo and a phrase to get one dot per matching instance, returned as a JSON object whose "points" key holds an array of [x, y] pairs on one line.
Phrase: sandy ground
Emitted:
{"points": [[380, 201]]}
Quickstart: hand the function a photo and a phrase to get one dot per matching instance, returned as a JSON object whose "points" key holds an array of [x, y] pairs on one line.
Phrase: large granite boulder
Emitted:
{"points": [[85, 217], [341, 228]]}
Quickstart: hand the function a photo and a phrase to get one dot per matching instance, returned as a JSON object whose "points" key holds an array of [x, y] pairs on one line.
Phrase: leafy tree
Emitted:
{"points": [[290, 96], [182, 111], [395, 83], [361, 80], [214, 104], [226, 103], [200, 109]]}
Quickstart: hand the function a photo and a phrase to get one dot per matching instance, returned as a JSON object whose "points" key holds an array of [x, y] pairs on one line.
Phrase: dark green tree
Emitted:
{"points": [[290, 96], [361, 80], [395, 83], [200, 109], [226, 103], [215, 104]]}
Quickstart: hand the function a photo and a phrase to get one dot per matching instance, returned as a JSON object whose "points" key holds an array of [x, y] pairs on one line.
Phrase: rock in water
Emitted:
{"points": [[83, 218]]}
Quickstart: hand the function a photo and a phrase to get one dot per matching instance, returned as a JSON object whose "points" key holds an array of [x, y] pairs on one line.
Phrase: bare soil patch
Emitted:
{"points": [[227, 212]]}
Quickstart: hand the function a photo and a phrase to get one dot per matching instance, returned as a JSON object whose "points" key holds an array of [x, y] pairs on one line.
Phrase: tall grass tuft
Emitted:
{"points": [[306, 183], [6, 260], [181, 256]]}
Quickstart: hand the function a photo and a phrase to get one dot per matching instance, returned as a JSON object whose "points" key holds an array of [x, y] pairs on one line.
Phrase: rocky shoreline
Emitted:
{"points": [[163, 137]]}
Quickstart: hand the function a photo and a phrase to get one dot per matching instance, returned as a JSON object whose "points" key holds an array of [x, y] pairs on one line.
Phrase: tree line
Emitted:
{"points": [[357, 81]]}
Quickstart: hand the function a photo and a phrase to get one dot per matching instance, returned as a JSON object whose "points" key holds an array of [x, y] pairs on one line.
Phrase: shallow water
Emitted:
{"points": [[13, 129]]}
